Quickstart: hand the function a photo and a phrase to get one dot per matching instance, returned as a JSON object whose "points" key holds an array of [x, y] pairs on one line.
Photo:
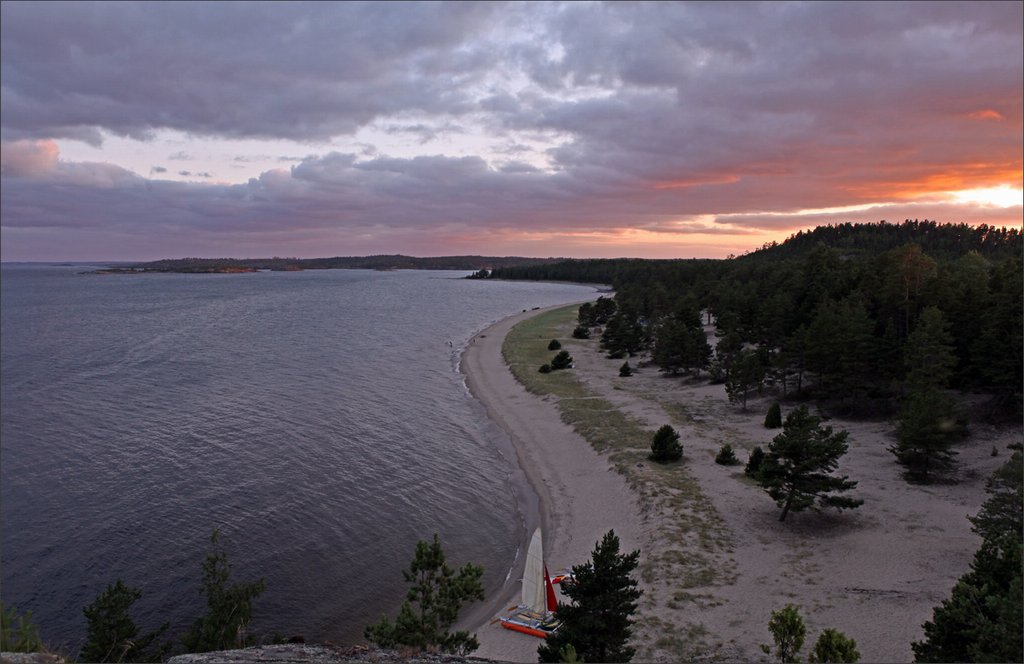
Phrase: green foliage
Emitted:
{"points": [[598, 313], [17, 632], [623, 335], [581, 332], [567, 655], [625, 370], [753, 467], [773, 420], [680, 343], [432, 604], [797, 466], [745, 372], [928, 427], [981, 621], [788, 633], [834, 646], [563, 360], [545, 368], [554, 345], [726, 457], [229, 607], [598, 622], [665, 446], [928, 354], [112, 635]]}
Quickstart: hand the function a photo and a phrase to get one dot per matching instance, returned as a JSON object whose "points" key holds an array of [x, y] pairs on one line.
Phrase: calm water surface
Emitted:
{"points": [[316, 418]]}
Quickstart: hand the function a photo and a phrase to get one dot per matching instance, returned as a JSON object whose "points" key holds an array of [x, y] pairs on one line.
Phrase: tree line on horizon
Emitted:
{"points": [[842, 314]]}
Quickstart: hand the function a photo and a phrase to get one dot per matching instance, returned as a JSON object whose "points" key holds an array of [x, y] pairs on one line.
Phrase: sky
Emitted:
{"points": [[139, 131]]}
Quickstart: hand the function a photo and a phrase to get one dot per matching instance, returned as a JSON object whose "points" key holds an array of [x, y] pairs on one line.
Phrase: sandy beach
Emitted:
{"points": [[715, 560]]}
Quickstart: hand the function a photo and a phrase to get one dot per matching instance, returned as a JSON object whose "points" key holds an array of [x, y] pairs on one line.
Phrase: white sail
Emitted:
{"points": [[533, 575]]}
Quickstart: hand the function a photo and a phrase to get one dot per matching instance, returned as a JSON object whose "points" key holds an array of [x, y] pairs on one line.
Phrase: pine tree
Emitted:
{"points": [[665, 446], [111, 632], [797, 466], [229, 608], [432, 604], [598, 623], [928, 427], [788, 633], [928, 354], [773, 420], [981, 621]]}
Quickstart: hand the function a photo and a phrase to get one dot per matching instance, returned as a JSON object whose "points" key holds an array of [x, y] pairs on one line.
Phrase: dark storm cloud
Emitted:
{"points": [[280, 70]]}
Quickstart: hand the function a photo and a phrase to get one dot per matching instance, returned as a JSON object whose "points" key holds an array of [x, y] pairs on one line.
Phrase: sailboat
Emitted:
{"points": [[536, 614]]}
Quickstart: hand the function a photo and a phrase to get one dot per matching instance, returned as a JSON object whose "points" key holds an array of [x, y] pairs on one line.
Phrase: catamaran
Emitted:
{"points": [[536, 614]]}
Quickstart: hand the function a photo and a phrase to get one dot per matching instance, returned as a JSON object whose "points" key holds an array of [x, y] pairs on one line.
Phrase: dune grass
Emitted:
{"points": [[693, 543]]}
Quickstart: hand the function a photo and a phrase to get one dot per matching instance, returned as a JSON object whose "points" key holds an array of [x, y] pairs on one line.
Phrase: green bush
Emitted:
{"points": [[773, 420], [18, 633], [554, 345], [726, 457], [625, 370], [112, 635], [834, 646], [788, 632], [754, 462], [665, 446], [581, 332], [545, 368], [229, 607], [561, 361]]}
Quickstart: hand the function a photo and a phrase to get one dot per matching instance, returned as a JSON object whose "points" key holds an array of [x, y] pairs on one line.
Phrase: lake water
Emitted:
{"points": [[318, 419]]}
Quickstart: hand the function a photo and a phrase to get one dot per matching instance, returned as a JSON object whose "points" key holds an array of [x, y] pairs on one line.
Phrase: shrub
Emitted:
{"points": [[625, 370], [554, 345], [665, 445], [754, 462], [581, 332], [834, 646], [561, 361], [545, 368], [788, 632], [726, 457], [432, 604], [18, 633], [773, 420], [112, 635]]}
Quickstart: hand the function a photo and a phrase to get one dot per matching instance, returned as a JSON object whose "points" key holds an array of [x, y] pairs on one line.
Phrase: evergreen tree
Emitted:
{"points": [[726, 457], [928, 427], [981, 621], [928, 354], [229, 608], [745, 373], [111, 632], [625, 370], [555, 344], [581, 332], [598, 622], [665, 446], [432, 604], [773, 420], [797, 466], [754, 462], [563, 360]]}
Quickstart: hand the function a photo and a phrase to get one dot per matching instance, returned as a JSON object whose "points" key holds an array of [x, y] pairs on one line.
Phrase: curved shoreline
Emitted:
{"points": [[580, 495]]}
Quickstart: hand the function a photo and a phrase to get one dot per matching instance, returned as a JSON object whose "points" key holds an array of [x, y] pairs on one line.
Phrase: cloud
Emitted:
{"points": [[157, 169], [28, 158], [613, 122]]}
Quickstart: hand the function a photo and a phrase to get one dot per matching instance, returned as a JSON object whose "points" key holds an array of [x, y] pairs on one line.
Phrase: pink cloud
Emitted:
{"points": [[26, 158]]}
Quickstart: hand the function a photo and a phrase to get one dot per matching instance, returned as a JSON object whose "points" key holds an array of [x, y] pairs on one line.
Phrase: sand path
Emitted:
{"points": [[581, 496]]}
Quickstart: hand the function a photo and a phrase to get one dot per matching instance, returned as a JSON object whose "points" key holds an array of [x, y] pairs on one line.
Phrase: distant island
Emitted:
{"points": [[277, 264]]}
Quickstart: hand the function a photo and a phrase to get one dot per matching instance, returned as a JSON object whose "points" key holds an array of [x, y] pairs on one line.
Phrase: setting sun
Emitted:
{"points": [[1003, 196]]}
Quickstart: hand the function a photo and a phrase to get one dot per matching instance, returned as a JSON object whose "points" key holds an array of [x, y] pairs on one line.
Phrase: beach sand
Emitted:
{"points": [[715, 560]]}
